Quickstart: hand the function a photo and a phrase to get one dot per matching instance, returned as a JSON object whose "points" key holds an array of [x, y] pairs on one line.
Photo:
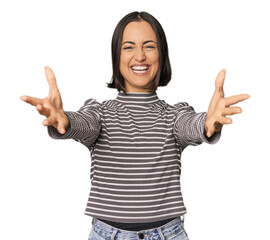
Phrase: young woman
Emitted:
{"points": [[136, 139]]}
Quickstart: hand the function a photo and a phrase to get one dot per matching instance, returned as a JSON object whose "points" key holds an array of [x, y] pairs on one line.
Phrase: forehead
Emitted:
{"points": [[139, 32]]}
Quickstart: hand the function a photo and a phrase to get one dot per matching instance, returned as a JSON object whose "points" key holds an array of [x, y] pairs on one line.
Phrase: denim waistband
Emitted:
{"points": [[109, 232]]}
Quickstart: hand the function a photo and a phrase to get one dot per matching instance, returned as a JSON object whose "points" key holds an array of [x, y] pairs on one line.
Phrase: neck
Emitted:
{"points": [[137, 98]]}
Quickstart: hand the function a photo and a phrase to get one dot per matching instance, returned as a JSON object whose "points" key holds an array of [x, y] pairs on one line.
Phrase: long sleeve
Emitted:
{"points": [[189, 127], [84, 124]]}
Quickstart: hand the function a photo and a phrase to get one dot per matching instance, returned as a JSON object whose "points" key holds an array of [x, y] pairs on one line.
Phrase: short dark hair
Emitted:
{"points": [[164, 72]]}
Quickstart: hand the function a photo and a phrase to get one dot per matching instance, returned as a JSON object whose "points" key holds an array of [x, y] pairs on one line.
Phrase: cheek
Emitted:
{"points": [[155, 61], [153, 56], [124, 61], [156, 57]]}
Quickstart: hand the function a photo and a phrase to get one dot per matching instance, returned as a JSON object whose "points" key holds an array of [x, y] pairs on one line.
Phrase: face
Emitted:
{"points": [[139, 56]]}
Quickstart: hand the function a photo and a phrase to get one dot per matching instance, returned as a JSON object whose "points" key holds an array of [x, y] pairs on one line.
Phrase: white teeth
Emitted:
{"points": [[140, 67], [139, 71]]}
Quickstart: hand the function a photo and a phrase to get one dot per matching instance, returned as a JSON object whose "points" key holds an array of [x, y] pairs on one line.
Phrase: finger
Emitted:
{"points": [[61, 128], [224, 120], [220, 82], [51, 80], [43, 110], [236, 99], [231, 111], [210, 131], [48, 121], [221, 88], [31, 100]]}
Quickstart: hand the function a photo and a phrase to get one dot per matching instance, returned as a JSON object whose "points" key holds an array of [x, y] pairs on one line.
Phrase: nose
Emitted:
{"points": [[139, 54]]}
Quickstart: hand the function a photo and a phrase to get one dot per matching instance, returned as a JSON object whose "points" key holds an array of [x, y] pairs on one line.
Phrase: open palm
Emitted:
{"points": [[219, 107], [51, 106]]}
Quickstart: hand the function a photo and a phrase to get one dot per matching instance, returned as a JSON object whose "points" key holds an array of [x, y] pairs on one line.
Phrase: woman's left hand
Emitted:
{"points": [[219, 107]]}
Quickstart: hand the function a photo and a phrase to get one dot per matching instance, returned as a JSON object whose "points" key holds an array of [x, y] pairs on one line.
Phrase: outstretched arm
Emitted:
{"points": [[189, 127], [83, 125]]}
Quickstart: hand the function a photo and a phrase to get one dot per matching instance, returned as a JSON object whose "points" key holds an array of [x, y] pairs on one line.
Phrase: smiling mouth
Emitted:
{"points": [[140, 69]]}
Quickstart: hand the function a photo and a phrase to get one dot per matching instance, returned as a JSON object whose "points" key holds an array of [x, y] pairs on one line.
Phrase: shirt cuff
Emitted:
{"points": [[53, 133]]}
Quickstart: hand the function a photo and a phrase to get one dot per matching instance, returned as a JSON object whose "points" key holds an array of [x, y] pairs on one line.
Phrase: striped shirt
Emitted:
{"points": [[135, 142]]}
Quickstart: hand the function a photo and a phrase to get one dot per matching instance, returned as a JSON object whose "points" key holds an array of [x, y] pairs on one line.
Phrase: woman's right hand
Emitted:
{"points": [[51, 106]]}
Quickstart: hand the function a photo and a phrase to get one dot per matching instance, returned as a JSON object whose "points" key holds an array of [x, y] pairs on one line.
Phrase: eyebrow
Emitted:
{"points": [[145, 42]]}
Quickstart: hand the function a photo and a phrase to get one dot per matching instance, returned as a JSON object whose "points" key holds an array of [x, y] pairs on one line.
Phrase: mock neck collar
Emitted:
{"points": [[137, 98]]}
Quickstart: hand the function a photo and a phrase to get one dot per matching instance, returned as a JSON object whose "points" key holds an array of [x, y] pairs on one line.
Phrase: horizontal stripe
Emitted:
{"points": [[129, 196], [135, 179], [123, 206], [133, 202]]}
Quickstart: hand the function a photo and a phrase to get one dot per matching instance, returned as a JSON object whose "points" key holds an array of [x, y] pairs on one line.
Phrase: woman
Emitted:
{"points": [[136, 140]]}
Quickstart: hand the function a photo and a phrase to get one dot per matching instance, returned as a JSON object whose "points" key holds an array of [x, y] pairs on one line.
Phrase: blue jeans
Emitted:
{"points": [[173, 230]]}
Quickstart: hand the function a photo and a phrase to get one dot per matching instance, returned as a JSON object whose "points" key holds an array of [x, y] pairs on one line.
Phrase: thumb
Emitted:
{"points": [[219, 83]]}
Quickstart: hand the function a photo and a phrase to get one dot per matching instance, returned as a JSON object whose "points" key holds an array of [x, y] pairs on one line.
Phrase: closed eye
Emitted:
{"points": [[149, 47], [127, 48]]}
